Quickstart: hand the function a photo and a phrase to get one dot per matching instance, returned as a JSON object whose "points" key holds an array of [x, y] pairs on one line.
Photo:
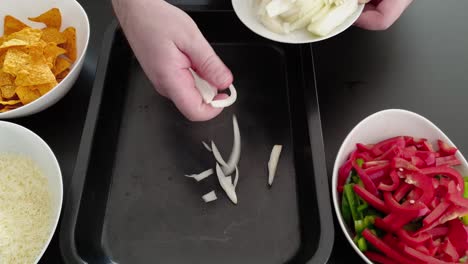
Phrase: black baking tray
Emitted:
{"points": [[129, 201]]}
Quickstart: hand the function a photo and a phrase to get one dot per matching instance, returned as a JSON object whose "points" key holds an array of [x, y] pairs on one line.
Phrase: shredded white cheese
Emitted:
{"points": [[25, 209]]}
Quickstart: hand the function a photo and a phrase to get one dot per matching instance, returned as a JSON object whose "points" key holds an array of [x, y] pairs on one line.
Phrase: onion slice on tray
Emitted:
{"points": [[202, 175], [209, 197], [206, 146], [273, 162], [230, 166], [226, 184]]}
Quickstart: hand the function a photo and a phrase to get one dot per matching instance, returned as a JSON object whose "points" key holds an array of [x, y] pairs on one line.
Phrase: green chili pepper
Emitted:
{"points": [[345, 209], [362, 244], [352, 201]]}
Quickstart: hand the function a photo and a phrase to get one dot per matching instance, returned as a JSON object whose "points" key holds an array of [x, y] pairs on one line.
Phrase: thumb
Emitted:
{"points": [[206, 63]]}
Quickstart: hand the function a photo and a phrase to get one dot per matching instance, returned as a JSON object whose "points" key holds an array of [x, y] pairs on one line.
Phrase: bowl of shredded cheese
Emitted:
{"points": [[31, 193]]}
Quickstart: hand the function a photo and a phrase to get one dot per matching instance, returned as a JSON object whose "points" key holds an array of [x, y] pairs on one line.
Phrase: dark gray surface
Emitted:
{"points": [[420, 64]]}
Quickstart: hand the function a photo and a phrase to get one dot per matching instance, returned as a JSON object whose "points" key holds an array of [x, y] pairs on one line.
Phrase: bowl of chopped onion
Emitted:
{"points": [[297, 21], [31, 193], [400, 191]]}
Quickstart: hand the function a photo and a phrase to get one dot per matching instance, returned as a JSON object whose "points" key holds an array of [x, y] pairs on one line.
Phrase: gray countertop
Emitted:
{"points": [[420, 64]]}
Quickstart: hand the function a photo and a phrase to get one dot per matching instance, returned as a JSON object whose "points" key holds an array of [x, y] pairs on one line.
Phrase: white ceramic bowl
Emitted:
{"points": [[72, 15], [16, 139], [246, 12], [377, 127]]}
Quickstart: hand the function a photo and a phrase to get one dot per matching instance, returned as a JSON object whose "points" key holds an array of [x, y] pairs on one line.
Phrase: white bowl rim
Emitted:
{"points": [[285, 39], [49, 151], [40, 100], [336, 167]]}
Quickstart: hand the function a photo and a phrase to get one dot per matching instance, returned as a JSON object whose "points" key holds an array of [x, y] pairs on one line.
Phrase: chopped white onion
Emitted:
{"points": [[236, 178], [202, 175], [278, 7], [273, 162], [206, 146], [228, 101], [226, 184], [335, 17], [218, 156], [236, 148], [209, 197], [207, 91]]}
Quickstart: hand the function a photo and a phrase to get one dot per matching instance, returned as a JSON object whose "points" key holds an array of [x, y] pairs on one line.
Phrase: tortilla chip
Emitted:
{"points": [[12, 25], [61, 64], [9, 107], [70, 45], [62, 75], [53, 35], [44, 88], [13, 43], [28, 35], [51, 52], [10, 102], [52, 18], [34, 75], [15, 59], [6, 78], [27, 95], [8, 91], [2, 58]]}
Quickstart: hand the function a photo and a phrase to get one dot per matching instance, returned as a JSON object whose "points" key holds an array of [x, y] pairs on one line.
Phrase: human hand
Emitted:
{"points": [[167, 42], [381, 14]]}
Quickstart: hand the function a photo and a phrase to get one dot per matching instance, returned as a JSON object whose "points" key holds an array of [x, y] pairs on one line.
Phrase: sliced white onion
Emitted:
{"points": [[278, 7], [273, 162], [226, 184], [202, 175], [218, 157], [206, 146], [209, 197], [335, 17], [228, 101], [236, 148], [236, 178], [207, 91]]}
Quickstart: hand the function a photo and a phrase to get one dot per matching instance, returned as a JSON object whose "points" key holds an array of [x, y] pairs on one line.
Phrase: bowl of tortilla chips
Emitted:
{"points": [[42, 49]]}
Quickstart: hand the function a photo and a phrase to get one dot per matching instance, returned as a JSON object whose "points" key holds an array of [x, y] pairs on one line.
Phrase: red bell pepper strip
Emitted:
{"points": [[445, 149], [453, 212], [438, 231], [375, 257], [368, 184], [408, 152], [409, 140], [422, 249], [433, 246], [424, 183], [427, 146], [402, 190], [418, 162], [373, 163], [396, 220], [371, 199], [365, 156], [411, 240], [449, 250], [414, 194], [384, 248], [421, 256], [384, 145], [458, 235], [445, 171], [395, 183], [343, 172], [455, 195], [377, 172], [428, 157], [399, 163], [415, 208], [394, 151], [436, 213], [379, 223], [364, 148], [451, 160]]}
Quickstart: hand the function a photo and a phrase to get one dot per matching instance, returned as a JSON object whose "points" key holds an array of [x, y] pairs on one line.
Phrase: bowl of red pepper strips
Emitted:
{"points": [[400, 191]]}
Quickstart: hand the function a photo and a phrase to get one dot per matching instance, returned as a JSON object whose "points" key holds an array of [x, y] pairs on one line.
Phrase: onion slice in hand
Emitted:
{"points": [[273, 162], [228, 101], [209, 197], [207, 91], [202, 175], [226, 184]]}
